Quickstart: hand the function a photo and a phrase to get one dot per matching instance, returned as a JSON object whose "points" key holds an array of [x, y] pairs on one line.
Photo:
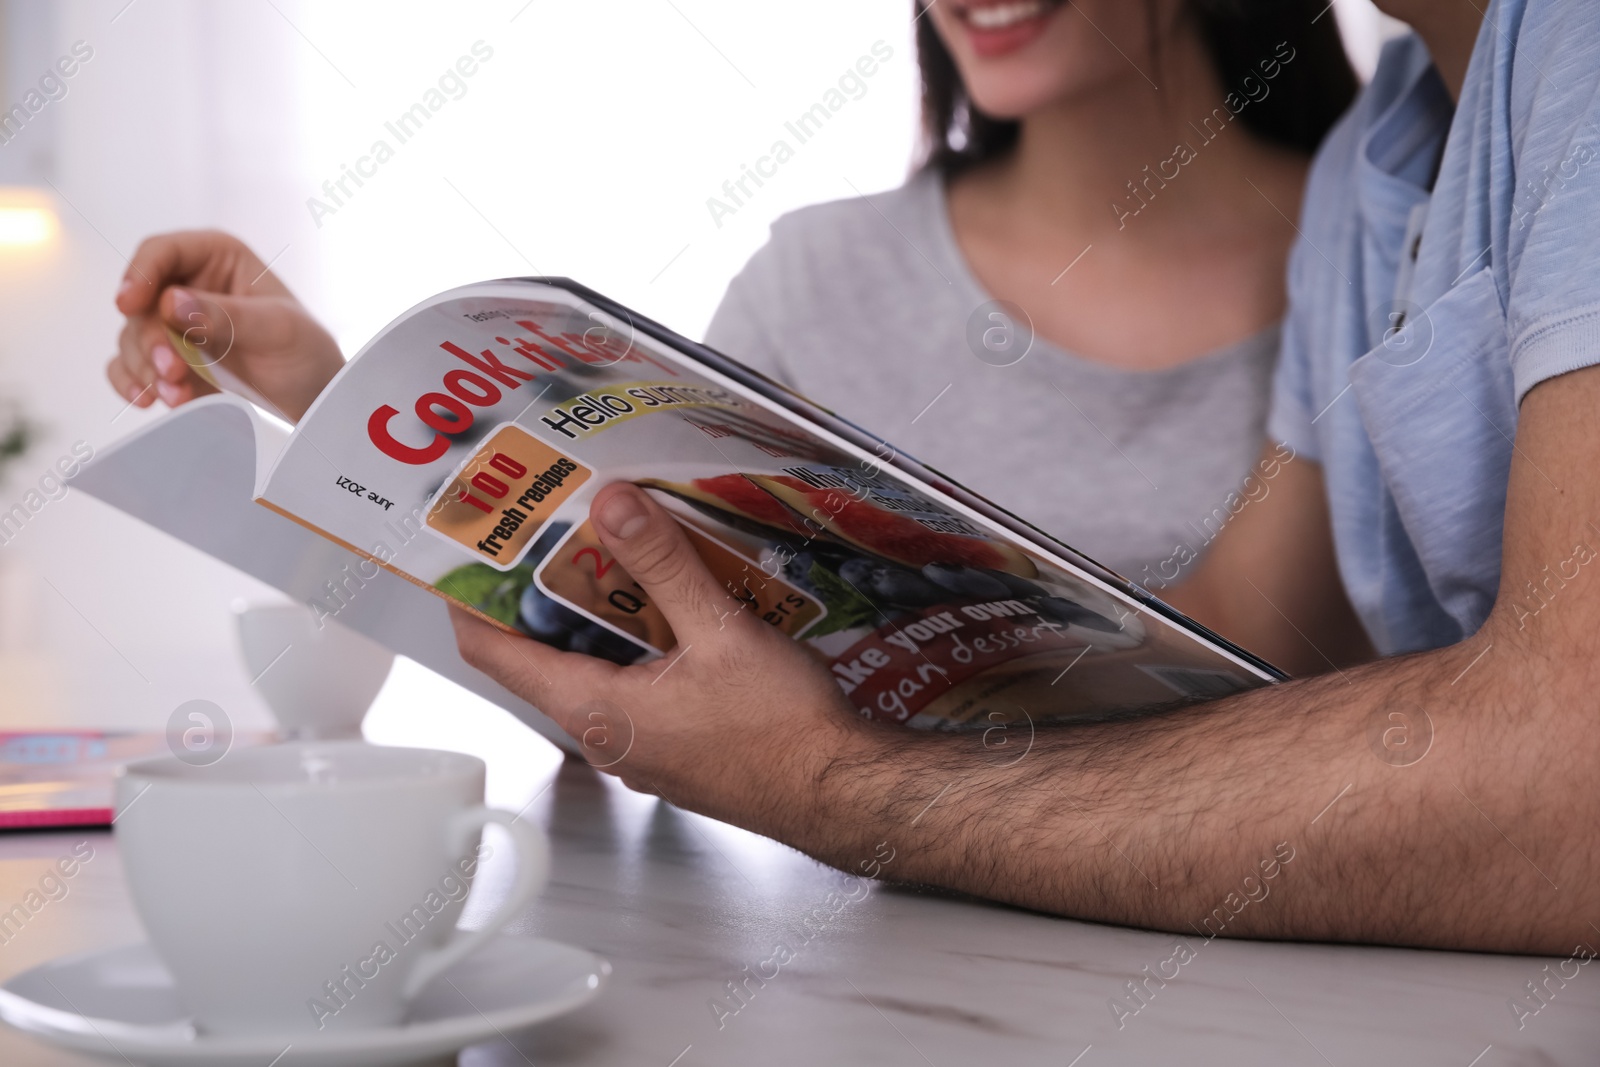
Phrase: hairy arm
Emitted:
{"points": [[1442, 799]]}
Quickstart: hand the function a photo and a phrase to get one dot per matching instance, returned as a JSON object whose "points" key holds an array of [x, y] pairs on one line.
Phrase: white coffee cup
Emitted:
{"points": [[317, 676], [292, 889]]}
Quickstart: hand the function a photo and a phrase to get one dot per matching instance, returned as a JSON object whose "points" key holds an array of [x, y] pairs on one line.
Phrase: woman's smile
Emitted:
{"points": [[998, 27]]}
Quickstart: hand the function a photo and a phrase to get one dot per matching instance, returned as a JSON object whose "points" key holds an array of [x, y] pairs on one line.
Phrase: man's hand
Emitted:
{"points": [[737, 722], [1444, 799], [211, 289]]}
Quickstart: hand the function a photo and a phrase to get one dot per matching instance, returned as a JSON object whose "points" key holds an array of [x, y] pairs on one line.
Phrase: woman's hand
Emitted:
{"points": [[737, 722], [211, 289]]}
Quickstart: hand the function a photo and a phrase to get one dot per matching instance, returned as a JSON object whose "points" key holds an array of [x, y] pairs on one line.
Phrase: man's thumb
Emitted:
{"points": [[652, 548]]}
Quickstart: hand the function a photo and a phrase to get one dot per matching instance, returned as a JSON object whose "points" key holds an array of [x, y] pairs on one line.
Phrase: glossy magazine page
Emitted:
{"points": [[811, 413], [462, 446]]}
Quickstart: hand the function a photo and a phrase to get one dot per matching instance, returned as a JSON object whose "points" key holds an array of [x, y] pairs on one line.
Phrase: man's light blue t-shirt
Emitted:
{"points": [[1419, 321]]}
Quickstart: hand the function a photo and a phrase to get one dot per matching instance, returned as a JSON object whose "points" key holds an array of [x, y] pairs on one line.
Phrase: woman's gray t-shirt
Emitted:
{"points": [[868, 307]]}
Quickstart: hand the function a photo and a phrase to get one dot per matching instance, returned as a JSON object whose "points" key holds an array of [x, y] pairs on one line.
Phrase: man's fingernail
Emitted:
{"points": [[127, 283], [168, 393], [164, 359], [623, 516], [180, 297]]}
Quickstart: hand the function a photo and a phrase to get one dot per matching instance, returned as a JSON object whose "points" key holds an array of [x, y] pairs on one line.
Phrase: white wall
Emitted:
{"points": [[587, 145], [590, 142]]}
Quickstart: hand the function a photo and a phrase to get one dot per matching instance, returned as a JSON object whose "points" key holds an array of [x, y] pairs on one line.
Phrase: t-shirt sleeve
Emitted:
{"points": [[1290, 416], [1552, 279], [742, 326]]}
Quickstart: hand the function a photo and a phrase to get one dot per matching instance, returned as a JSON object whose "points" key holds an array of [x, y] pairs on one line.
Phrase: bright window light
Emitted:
{"points": [[25, 224]]}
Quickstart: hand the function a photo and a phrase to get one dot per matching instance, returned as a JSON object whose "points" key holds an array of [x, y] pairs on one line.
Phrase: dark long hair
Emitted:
{"points": [[1307, 95]]}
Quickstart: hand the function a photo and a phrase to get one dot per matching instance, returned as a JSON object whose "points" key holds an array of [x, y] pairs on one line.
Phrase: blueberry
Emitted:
{"points": [[541, 616], [589, 639], [889, 586], [798, 571], [966, 581], [592, 639], [1015, 584], [859, 573], [906, 589]]}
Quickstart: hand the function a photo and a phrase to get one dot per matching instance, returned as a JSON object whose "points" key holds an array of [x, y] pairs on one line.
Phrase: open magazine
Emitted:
{"points": [[461, 447]]}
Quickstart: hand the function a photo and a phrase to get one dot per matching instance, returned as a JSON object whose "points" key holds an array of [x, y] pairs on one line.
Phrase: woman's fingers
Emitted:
{"points": [[169, 366], [160, 261], [220, 324], [215, 294], [208, 258], [147, 368], [127, 387], [174, 394], [133, 350]]}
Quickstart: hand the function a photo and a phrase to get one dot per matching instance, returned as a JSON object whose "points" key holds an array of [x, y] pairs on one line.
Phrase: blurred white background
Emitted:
{"points": [[586, 145]]}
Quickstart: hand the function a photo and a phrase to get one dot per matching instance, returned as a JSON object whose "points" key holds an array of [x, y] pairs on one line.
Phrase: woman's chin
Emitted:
{"points": [[1018, 94]]}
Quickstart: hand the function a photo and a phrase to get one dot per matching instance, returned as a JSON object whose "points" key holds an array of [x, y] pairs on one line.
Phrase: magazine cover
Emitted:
{"points": [[462, 446]]}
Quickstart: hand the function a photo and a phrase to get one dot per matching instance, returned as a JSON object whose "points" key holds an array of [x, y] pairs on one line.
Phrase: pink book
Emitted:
{"points": [[63, 777]]}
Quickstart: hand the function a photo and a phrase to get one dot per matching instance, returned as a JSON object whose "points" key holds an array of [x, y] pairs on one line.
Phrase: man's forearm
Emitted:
{"points": [[1387, 803]]}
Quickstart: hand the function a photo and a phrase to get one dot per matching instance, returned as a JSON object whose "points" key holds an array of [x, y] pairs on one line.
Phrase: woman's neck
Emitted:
{"points": [[1187, 258]]}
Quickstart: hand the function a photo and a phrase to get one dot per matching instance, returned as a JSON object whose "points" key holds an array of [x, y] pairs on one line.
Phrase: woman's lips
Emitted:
{"points": [[1003, 26]]}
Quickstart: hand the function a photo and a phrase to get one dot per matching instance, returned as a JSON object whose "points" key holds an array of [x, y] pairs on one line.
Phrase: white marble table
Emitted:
{"points": [[681, 905]]}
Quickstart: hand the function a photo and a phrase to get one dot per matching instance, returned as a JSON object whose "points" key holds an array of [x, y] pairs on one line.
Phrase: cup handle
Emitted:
{"points": [[533, 865]]}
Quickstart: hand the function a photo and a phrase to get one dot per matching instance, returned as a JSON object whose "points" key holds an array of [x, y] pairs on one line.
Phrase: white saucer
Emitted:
{"points": [[120, 1003]]}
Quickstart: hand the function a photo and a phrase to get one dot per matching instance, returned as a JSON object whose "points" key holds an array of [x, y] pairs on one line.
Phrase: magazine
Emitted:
{"points": [[460, 450]]}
